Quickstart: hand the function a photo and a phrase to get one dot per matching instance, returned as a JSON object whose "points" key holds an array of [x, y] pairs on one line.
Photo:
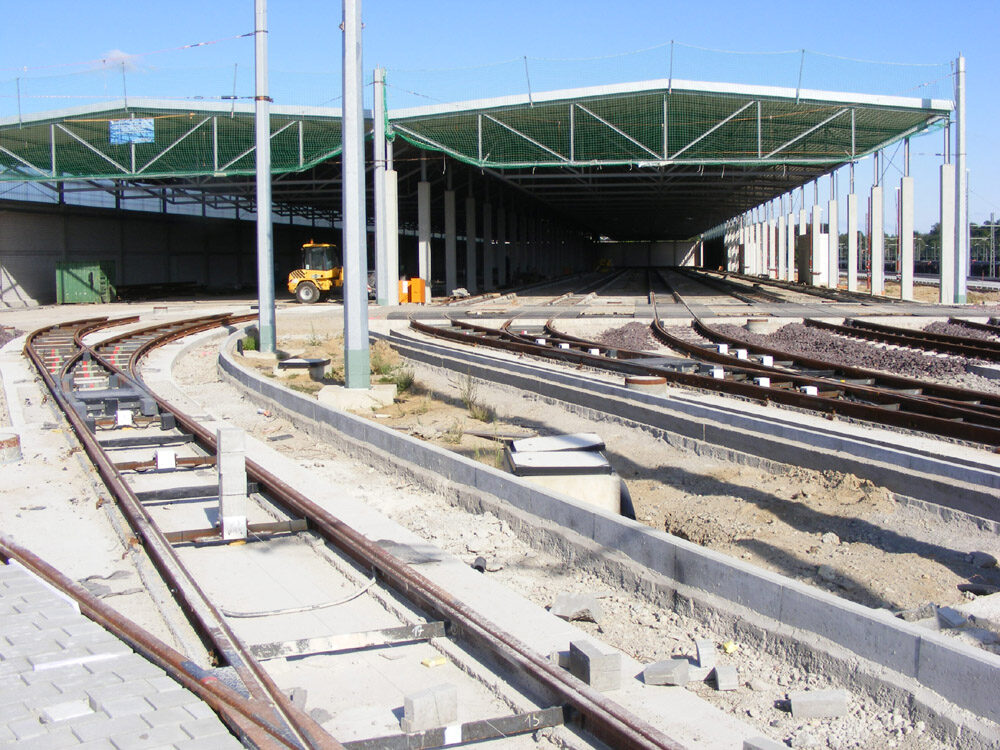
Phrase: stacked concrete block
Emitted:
{"points": [[588, 663], [574, 606], [430, 708]]}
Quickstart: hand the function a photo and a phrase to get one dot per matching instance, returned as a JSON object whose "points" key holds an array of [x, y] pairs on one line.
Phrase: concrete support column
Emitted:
{"points": [[819, 249], [424, 232], [791, 232], [450, 244], [782, 245], [877, 240], [906, 237], [501, 248], [392, 234], [470, 245], [833, 252], [232, 470], [772, 249], [852, 243], [947, 234], [384, 278], [515, 248], [488, 260]]}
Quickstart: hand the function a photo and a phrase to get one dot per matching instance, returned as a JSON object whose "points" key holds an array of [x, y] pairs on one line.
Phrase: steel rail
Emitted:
{"points": [[951, 408], [240, 714], [471, 334], [909, 340], [936, 338], [837, 295], [211, 626], [933, 390], [987, 327], [605, 719], [729, 288]]}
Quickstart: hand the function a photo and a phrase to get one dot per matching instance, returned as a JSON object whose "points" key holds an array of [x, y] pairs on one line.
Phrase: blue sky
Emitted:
{"points": [[55, 47]]}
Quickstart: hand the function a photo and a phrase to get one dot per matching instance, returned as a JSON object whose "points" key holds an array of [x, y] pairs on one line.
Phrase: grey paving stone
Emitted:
{"points": [[26, 728], [171, 699], [591, 665], [14, 710], [199, 710], [149, 738], [211, 742], [205, 728], [667, 672], [125, 705], [104, 727], [162, 716], [51, 740]]}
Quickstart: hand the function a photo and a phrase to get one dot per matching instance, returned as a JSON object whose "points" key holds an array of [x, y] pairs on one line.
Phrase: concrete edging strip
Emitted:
{"points": [[964, 675]]}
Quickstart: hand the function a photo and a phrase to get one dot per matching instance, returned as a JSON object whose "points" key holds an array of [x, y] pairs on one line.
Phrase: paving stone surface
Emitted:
{"points": [[69, 683]]}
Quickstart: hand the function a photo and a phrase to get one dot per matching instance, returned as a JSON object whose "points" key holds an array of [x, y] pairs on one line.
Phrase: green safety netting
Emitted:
{"points": [[664, 126], [160, 140]]}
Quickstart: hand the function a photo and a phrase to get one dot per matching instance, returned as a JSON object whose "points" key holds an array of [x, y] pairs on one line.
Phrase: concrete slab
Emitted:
{"points": [[357, 399]]}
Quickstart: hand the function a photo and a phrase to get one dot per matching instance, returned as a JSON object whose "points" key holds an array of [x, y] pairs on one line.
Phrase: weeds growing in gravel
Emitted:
{"points": [[469, 394], [383, 359], [454, 433], [403, 378]]}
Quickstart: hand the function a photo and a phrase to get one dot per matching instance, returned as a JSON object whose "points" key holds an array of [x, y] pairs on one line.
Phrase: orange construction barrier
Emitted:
{"points": [[418, 291]]}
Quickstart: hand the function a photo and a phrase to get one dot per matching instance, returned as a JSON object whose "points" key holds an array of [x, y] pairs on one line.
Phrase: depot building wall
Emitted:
{"points": [[146, 248], [641, 254]]}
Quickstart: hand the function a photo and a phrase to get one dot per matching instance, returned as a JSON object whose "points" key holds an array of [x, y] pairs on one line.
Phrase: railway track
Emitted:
{"points": [[929, 342], [132, 435], [946, 413]]}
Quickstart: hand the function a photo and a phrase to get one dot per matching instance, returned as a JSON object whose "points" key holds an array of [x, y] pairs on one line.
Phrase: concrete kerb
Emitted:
{"points": [[697, 578]]}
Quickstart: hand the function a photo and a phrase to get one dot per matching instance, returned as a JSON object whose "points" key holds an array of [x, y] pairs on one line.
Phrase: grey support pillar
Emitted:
{"points": [[355, 240], [383, 277], [906, 228], [772, 249], [470, 245], [792, 232], [962, 266], [488, 260], [852, 238], [424, 231], [262, 140], [515, 248], [782, 242], [947, 234], [501, 249], [819, 248], [833, 232], [450, 244], [877, 238], [392, 234]]}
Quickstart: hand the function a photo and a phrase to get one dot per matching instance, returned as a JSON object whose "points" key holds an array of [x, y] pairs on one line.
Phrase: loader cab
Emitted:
{"points": [[319, 257]]}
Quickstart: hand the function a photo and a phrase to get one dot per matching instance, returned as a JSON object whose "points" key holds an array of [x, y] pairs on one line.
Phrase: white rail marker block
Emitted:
{"points": [[232, 469]]}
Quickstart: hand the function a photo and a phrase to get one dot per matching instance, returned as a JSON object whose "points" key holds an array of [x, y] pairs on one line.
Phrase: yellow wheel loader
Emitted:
{"points": [[321, 272]]}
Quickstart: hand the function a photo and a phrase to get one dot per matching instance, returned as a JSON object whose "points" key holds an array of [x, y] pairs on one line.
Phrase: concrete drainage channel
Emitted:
{"points": [[872, 652]]}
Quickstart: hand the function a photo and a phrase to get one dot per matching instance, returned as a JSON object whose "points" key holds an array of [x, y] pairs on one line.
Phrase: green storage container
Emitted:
{"points": [[83, 281]]}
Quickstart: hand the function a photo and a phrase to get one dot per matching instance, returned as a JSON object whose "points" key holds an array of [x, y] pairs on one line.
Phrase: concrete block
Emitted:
{"points": [[705, 653], [818, 704], [668, 672], [588, 663], [150, 737], [950, 618], [726, 677], [577, 606], [431, 708], [967, 675], [763, 743]]}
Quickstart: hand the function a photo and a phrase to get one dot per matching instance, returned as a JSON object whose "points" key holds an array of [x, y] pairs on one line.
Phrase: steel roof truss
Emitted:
{"points": [[811, 130], [619, 131], [71, 134], [167, 150]]}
